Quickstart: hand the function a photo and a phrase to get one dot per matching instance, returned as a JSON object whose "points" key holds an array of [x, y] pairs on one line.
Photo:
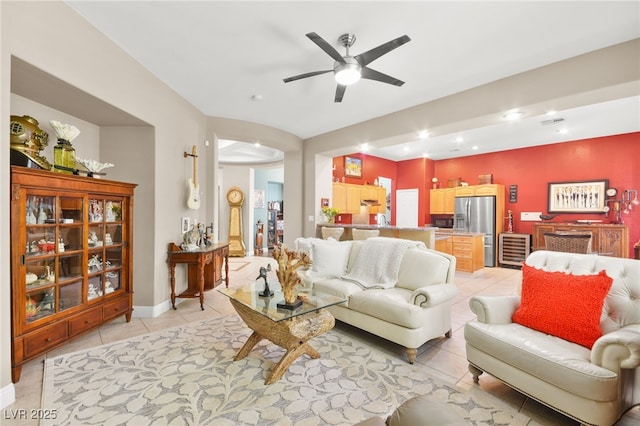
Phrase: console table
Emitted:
{"points": [[205, 269], [606, 239]]}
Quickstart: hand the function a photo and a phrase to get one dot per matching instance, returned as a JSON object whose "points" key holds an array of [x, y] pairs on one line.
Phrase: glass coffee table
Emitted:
{"points": [[289, 329]]}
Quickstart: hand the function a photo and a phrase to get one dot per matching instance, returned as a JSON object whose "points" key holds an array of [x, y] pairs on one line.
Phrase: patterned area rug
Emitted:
{"points": [[186, 376]]}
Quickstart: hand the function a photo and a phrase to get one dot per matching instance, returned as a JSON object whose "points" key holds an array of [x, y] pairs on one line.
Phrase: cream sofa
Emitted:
{"points": [[396, 289], [594, 386]]}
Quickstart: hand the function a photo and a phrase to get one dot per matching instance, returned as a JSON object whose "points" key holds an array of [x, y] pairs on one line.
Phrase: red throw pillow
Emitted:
{"points": [[563, 305]]}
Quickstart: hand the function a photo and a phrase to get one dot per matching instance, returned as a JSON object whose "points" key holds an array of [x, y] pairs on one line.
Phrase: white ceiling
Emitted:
{"points": [[229, 58]]}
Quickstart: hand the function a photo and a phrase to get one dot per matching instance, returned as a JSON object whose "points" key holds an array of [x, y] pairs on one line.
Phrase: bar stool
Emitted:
{"points": [[363, 234], [331, 232]]}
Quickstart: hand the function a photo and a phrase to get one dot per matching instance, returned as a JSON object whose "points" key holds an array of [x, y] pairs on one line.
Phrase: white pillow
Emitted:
{"points": [[330, 257], [304, 245]]}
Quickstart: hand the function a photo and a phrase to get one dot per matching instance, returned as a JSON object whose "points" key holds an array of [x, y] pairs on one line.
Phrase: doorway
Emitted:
{"points": [[385, 182], [407, 208]]}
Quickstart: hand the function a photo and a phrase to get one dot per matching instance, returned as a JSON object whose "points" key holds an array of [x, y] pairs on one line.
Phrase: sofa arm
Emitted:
{"points": [[618, 349], [433, 295], [494, 309]]}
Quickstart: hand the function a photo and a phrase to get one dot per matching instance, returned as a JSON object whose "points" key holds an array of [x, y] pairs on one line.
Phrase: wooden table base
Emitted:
{"points": [[292, 335]]}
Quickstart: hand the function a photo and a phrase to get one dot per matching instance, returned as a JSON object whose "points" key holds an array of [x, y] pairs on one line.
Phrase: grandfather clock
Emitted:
{"points": [[235, 197]]}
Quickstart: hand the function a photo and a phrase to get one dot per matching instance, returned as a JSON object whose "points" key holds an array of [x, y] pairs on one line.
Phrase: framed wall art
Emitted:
{"points": [[577, 197], [353, 167], [258, 198]]}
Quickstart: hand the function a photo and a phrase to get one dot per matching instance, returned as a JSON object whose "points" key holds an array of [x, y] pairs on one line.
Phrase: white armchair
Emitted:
{"points": [[594, 386]]}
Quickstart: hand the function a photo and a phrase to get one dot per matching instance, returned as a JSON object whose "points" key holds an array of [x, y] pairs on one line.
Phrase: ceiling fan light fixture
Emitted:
{"points": [[348, 73]]}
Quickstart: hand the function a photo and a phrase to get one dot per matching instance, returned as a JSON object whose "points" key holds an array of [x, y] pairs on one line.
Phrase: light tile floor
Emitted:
{"points": [[443, 357]]}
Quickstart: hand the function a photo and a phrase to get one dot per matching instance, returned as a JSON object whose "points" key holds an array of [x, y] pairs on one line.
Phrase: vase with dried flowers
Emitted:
{"points": [[289, 261]]}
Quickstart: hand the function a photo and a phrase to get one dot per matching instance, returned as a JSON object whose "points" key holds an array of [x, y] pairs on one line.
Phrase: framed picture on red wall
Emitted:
{"points": [[577, 197], [353, 167]]}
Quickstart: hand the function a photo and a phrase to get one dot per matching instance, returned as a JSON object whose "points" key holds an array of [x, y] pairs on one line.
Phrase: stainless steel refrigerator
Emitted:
{"points": [[478, 214]]}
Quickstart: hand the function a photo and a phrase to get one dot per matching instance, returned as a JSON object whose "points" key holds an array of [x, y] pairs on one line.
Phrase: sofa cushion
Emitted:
{"points": [[336, 287], [556, 361], [304, 245], [392, 305], [330, 257], [420, 268], [563, 305]]}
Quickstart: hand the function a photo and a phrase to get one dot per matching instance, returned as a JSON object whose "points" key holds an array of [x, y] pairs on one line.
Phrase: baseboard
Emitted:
{"points": [[7, 395], [153, 311]]}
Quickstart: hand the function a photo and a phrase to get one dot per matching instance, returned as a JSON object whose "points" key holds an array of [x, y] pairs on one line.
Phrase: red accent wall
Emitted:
{"points": [[616, 158], [414, 174], [372, 168]]}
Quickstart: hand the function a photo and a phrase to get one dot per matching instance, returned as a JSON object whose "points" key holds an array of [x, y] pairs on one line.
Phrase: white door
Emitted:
{"points": [[407, 208]]}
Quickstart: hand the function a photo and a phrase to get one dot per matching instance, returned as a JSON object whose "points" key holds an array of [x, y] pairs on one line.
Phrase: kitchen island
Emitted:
{"points": [[467, 247], [426, 234]]}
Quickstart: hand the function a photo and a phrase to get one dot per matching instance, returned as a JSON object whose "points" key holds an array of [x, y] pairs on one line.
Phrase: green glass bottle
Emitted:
{"points": [[64, 154]]}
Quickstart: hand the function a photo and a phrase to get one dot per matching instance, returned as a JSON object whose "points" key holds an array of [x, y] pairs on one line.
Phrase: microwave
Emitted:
{"points": [[443, 222]]}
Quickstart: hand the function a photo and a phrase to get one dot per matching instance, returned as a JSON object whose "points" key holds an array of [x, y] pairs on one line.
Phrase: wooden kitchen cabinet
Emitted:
{"points": [[71, 240], [445, 245], [348, 198], [479, 190], [606, 239], [374, 197], [441, 201], [469, 252]]}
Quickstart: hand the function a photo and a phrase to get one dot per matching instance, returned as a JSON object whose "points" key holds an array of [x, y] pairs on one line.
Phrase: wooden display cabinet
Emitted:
{"points": [[606, 239], [71, 242]]}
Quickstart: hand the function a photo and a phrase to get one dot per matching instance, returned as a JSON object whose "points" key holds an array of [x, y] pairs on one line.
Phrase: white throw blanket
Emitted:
{"points": [[377, 263]]}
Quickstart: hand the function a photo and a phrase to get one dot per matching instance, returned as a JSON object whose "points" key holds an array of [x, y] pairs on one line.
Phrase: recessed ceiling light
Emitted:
{"points": [[513, 115], [364, 147], [551, 112], [459, 139], [406, 149], [563, 131], [423, 134], [257, 144], [474, 147]]}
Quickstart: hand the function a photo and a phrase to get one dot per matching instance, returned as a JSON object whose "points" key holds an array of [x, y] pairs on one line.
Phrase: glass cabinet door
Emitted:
{"points": [[54, 247], [105, 247]]}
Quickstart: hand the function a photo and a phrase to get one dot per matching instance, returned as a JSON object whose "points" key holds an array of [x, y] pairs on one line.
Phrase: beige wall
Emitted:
{"points": [[78, 58]]}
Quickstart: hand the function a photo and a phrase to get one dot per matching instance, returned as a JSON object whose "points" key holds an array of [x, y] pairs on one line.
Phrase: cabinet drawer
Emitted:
{"points": [[465, 265], [116, 308], [462, 239], [463, 254], [42, 340], [85, 321]]}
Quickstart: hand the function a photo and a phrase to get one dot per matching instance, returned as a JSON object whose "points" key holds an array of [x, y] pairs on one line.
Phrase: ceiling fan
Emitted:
{"points": [[349, 69]]}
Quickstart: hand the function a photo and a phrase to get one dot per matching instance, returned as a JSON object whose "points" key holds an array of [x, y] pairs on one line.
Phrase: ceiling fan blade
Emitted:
{"points": [[339, 93], [371, 74], [305, 75], [322, 44], [371, 55]]}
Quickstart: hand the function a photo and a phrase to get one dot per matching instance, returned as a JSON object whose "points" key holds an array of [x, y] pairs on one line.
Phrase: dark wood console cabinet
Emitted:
{"points": [[204, 269], [71, 243], [606, 239]]}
